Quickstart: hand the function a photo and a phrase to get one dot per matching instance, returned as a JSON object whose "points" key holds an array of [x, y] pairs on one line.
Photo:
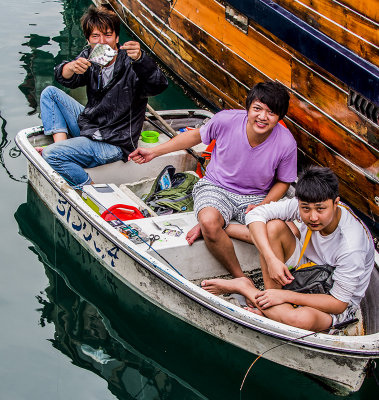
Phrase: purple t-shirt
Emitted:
{"points": [[240, 168]]}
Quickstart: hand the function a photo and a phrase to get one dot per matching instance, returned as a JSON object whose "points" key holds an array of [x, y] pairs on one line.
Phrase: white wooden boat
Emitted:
{"points": [[168, 274]]}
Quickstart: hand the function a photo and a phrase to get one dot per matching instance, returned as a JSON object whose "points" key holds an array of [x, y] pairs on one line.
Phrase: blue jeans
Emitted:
{"points": [[59, 113]]}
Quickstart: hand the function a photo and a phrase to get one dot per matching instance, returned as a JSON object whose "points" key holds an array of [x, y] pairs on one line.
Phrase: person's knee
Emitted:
{"points": [[211, 224], [48, 92], [53, 155], [296, 318], [275, 228], [48, 154]]}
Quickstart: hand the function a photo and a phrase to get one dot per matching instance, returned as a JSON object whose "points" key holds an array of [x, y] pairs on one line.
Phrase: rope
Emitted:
{"points": [[336, 326]]}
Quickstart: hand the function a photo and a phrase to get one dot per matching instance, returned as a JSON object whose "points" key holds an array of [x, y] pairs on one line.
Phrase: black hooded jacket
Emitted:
{"points": [[116, 110]]}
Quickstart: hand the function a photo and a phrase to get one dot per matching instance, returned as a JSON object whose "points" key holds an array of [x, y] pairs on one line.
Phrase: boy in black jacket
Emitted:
{"points": [[108, 127]]}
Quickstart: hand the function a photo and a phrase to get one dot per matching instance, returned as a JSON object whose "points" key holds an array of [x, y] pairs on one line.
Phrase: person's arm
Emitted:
{"points": [[151, 79], [277, 270], [78, 66], [133, 49], [275, 193], [183, 141], [73, 74], [323, 302], [286, 210]]}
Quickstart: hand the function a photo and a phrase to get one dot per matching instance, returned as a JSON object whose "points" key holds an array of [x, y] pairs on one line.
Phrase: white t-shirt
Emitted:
{"points": [[107, 73], [350, 248]]}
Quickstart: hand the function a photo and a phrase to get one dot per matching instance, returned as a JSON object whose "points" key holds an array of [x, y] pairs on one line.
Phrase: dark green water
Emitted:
{"points": [[64, 338]]}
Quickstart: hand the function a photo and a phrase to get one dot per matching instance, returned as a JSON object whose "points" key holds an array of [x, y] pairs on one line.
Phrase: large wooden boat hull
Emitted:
{"points": [[340, 360], [326, 54]]}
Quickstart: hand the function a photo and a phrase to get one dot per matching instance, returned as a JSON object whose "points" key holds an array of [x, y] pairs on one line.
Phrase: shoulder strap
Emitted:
{"points": [[305, 244], [309, 233]]}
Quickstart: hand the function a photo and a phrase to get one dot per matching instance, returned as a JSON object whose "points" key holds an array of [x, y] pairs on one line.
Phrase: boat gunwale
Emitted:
{"points": [[190, 290]]}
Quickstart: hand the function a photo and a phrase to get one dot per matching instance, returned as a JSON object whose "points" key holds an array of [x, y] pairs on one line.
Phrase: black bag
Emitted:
{"points": [[314, 279]]}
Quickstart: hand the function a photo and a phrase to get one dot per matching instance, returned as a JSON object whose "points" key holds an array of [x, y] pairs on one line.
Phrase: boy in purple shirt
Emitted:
{"points": [[253, 162]]}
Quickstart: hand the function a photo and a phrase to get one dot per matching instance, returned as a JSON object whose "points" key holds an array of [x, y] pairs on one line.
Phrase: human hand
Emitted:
{"points": [[279, 273], [133, 50], [79, 66], [270, 297], [141, 155], [251, 207]]}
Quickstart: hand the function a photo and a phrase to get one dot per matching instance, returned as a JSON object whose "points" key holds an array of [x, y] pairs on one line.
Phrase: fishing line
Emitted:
{"points": [[336, 326], [134, 231], [56, 309], [130, 112]]}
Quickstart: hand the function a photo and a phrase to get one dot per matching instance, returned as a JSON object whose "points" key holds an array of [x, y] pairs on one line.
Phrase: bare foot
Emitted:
{"points": [[39, 149], [193, 234], [254, 310], [222, 286]]}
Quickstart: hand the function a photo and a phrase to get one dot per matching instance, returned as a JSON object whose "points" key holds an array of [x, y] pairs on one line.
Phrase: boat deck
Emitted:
{"points": [[194, 262]]}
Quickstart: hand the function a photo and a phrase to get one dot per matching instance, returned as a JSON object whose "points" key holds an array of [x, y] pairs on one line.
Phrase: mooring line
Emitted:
{"points": [[336, 326]]}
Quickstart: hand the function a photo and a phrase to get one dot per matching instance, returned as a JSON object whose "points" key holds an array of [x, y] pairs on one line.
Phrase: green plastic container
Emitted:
{"points": [[150, 136]]}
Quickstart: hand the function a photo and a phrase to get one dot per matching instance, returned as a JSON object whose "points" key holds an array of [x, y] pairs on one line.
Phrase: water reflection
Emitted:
{"points": [[39, 64], [8, 150], [82, 331], [82, 335], [39, 67]]}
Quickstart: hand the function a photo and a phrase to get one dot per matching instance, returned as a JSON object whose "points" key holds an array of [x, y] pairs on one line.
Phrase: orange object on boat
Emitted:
{"points": [[200, 169]]}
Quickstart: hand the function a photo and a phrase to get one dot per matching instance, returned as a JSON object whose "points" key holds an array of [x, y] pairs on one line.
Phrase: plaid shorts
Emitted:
{"points": [[230, 205], [347, 315]]}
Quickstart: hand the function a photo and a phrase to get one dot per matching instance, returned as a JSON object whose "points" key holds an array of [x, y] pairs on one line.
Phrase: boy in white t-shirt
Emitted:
{"points": [[338, 239]]}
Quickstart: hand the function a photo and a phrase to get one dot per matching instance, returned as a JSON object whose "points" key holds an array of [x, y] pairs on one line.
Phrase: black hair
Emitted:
{"points": [[101, 18], [273, 94], [317, 184]]}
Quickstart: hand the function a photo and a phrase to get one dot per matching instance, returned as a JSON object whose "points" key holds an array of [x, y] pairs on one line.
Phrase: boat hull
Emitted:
{"points": [[220, 57], [344, 367]]}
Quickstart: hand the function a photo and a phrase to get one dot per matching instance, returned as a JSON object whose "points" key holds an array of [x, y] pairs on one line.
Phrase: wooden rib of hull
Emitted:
{"points": [[343, 24], [368, 8], [354, 186], [220, 62]]}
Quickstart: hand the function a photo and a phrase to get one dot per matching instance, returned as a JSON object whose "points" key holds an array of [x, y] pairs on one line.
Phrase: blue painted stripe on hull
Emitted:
{"points": [[342, 63]]}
